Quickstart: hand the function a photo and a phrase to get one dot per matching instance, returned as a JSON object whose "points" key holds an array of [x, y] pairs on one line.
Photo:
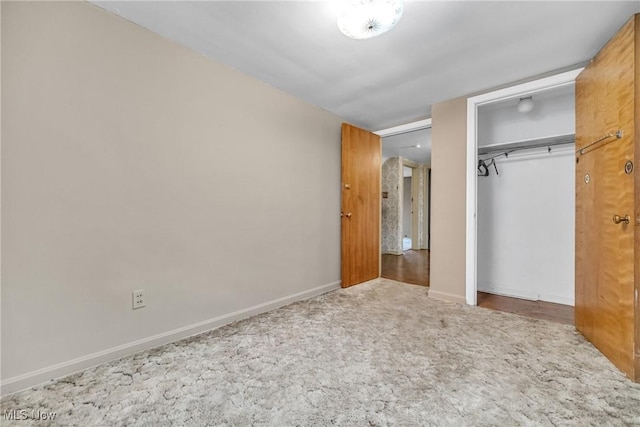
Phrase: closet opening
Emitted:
{"points": [[526, 205]]}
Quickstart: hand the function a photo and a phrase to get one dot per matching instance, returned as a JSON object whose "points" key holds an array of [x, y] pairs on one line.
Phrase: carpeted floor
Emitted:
{"points": [[381, 353]]}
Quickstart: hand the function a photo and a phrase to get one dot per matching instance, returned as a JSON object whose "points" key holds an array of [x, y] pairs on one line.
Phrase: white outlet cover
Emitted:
{"points": [[138, 299]]}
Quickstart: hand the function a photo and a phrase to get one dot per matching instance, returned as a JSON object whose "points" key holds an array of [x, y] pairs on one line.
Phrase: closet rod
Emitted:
{"points": [[524, 145], [508, 151]]}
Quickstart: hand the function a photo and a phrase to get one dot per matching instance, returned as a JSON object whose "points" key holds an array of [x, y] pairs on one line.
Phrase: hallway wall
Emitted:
{"points": [[406, 207], [391, 206]]}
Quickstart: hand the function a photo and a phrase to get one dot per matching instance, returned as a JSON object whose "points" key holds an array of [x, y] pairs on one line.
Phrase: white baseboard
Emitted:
{"points": [[519, 293], [444, 296], [30, 379]]}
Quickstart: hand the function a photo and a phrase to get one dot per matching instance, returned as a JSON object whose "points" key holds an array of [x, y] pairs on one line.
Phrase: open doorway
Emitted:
{"points": [[405, 207]]}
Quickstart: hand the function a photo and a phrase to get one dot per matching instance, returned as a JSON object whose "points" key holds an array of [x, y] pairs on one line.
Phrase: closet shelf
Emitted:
{"points": [[548, 141]]}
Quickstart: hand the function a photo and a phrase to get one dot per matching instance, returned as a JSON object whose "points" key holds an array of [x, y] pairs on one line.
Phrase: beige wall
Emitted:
{"points": [[448, 199], [131, 162]]}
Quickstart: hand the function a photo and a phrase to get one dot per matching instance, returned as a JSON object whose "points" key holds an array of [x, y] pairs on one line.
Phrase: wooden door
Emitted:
{"points": [[361, 201], [605, 305]]}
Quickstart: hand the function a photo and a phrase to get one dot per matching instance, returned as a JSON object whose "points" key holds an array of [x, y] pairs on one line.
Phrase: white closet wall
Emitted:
{"points": [[526, 214], [553, 114]]}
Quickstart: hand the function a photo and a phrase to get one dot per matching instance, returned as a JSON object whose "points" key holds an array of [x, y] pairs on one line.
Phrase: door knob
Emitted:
{"points": [[348, 214], [618, 219]]}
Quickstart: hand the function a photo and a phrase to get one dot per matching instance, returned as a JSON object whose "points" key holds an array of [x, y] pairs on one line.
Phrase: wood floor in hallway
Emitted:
{"points": [[410, 267]]}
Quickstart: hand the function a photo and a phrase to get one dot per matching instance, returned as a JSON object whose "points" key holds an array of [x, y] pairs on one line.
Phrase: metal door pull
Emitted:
{"points": [[618, 219]]}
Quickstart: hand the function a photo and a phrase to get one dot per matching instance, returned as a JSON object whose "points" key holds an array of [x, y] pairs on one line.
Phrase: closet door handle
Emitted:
{"points": [[617, 219]]}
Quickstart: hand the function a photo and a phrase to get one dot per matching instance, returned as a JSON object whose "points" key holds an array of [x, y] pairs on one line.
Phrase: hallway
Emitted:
{"points": [[410, 267]]}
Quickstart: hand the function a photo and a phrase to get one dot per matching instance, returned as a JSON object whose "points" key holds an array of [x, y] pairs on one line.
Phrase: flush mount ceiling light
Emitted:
{"points": [[525, 105], [364, 19]]}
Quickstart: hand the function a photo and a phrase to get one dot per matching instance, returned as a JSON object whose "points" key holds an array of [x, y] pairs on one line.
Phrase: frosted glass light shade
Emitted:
{"points": [[363, 19]]}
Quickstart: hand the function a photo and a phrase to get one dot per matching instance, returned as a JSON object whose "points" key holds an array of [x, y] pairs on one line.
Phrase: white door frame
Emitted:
{"points": [[406, 128], [521, 90], [397, 130]]}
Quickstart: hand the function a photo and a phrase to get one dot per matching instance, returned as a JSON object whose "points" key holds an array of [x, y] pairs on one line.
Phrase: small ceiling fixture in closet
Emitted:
{"points": [[525, 105]]}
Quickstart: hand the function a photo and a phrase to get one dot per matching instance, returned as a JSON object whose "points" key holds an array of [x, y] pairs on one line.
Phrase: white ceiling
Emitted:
{"points": [[405, 146], [439, 50]]}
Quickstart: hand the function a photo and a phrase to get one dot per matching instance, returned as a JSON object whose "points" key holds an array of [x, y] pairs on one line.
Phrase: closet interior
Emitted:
{"points": [[526, 197]]}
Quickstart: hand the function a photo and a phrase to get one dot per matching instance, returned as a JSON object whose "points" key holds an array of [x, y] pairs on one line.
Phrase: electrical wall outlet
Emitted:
{"points": [[138, 299]]}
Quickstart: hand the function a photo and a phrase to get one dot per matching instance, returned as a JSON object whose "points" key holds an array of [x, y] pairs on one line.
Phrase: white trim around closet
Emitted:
{"points": [[521, 90], [406, 128]]}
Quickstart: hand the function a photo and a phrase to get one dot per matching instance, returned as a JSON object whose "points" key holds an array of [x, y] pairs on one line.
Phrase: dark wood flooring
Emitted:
{"points": [[413, 267], [410, 267], [538, 309]]}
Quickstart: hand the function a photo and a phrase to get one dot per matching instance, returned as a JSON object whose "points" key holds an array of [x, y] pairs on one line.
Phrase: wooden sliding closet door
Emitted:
{"points": [[607, 221]]}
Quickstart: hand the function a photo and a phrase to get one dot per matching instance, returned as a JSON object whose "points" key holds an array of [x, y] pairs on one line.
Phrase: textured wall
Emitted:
{"points": [[394, 208], [120, 159], [420, 174], [448, 198], [391, 206]]}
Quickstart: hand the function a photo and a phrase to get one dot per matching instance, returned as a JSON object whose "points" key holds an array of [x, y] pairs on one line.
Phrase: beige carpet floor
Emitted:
{"points": [[378, 354]]}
